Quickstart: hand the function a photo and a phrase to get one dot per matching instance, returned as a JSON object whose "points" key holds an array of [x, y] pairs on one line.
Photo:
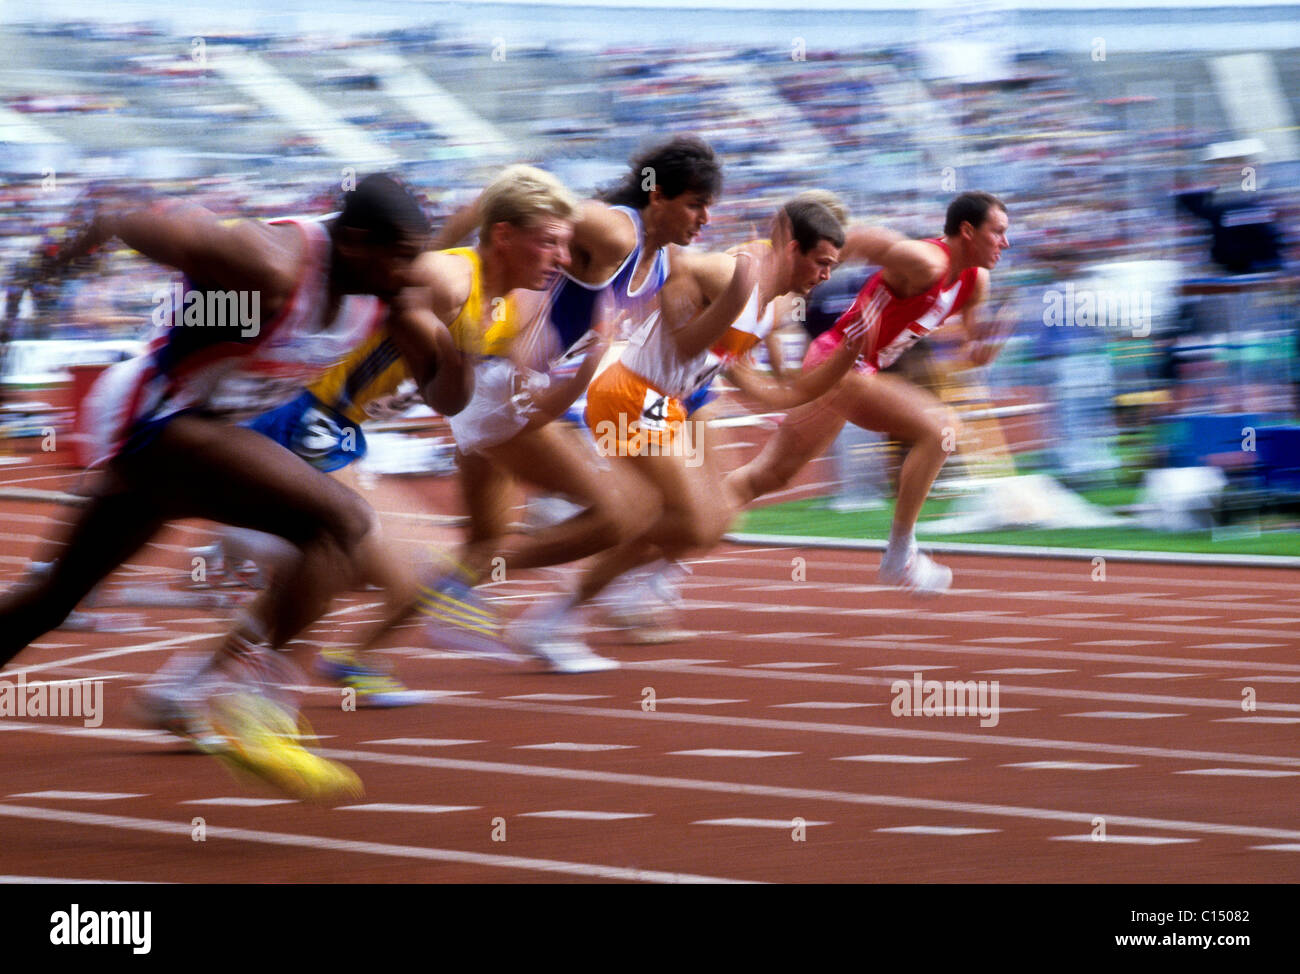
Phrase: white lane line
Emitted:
{"points": [[682, 662], [588, 870], [937, 830], [424, 741], [1150, 675], [1272, 621], [897, 758], [1010, 639], [924, 617], [1123, 839], [1082, 615], [825, 705], [573, 746], [902, 636], [559, 697], [1257, 720], [154, 647], [698, 701], [757, 823], [240, 802], [872, 643], [1124, 642], [585, 816], [1124, 715], [79, 796], [1243, 772], [787, 666], [892, 730], [400, 808], [1261, 679], [1070, 694], [1238, 646], [722, 752], [785, 636], [108, 733], [1023, 671], [905, 668], [1282, 847], [1179, 618], [1067, 766]]}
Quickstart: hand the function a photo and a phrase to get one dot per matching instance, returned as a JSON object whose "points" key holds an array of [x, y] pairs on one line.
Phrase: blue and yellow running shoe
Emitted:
{"points": [[373, 687], [457, 619]]}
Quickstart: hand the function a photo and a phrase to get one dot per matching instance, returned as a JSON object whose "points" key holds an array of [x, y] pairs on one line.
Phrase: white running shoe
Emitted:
{"points": [[920, 574], [648, 605], [558, 645]]}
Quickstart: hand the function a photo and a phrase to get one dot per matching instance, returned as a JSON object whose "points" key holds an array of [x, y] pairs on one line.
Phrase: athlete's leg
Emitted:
{"points": [[805, 434], [112, 527], [890, 405], [489, 493], [558, 459], [237, 476]]}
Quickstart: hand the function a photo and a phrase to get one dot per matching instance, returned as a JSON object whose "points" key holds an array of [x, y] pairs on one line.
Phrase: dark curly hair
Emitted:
{"points": [[682, 164]]}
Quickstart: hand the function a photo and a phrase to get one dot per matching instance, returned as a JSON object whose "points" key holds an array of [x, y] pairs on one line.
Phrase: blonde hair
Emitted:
{"points": [[522, 195], [827, 199]]}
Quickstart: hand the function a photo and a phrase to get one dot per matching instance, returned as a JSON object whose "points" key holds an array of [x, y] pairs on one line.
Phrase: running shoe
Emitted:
{"points": [[374, 687], [919, 574], [261, 740], [177, 709], [647, 605], [457, 618], [557, 644]]}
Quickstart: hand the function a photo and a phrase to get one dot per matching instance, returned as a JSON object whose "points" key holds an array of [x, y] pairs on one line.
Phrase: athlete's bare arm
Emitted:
{"points": [[982, 339], [602, 239], [703, 295], [236, 255], [911, 267], [805, 386], [868, 245], [417, 325]]}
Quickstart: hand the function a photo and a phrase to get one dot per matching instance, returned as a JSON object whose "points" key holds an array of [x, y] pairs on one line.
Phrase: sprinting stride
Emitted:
{"points": [[924, 283]]}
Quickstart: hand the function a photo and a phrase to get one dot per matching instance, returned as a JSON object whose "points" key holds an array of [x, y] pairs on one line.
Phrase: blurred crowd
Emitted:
{"points": [[1091, 173]]}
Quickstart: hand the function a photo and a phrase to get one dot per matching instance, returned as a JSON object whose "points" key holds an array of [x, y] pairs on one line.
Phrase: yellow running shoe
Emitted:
{"points": [[261, 740]]}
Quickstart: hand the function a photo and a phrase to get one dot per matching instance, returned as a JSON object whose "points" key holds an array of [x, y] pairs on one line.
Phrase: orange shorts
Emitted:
{"points": [[628, 418]]}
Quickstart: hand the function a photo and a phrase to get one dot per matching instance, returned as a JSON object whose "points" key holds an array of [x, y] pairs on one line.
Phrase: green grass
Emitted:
{"points": [[814, 518]]}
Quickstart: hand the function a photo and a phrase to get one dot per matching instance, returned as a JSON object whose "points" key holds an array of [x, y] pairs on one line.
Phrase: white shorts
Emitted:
{"points": [[496, 411], [108, 409]]}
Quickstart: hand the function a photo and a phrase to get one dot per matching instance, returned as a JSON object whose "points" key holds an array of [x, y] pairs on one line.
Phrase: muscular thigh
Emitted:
{"points": [[201, 468], [888, 404]]}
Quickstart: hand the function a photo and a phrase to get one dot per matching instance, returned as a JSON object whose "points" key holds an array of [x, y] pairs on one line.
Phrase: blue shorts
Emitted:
{"points": [[307, 427], [699, 399]]}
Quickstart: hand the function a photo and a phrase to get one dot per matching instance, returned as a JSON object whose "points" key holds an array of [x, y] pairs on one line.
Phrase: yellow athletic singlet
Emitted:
{"points": [[470, 332], [374, 368]]}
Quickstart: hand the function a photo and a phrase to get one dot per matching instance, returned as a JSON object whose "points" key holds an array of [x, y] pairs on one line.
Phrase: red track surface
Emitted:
{"points": [[771, 658]]}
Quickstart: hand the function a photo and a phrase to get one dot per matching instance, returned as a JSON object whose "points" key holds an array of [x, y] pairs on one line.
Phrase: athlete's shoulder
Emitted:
{"points": [[447, 277], [603, 230]]}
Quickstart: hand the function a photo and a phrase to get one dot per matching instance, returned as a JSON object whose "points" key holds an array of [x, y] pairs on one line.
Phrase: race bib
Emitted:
{"points": [[654, 411]]}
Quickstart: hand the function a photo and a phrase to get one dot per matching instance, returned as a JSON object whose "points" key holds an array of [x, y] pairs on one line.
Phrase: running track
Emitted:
{"points": [[1120, 699]]}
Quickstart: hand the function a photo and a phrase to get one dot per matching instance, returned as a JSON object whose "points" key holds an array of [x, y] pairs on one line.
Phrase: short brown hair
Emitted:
{"points": [[972, 208]]}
